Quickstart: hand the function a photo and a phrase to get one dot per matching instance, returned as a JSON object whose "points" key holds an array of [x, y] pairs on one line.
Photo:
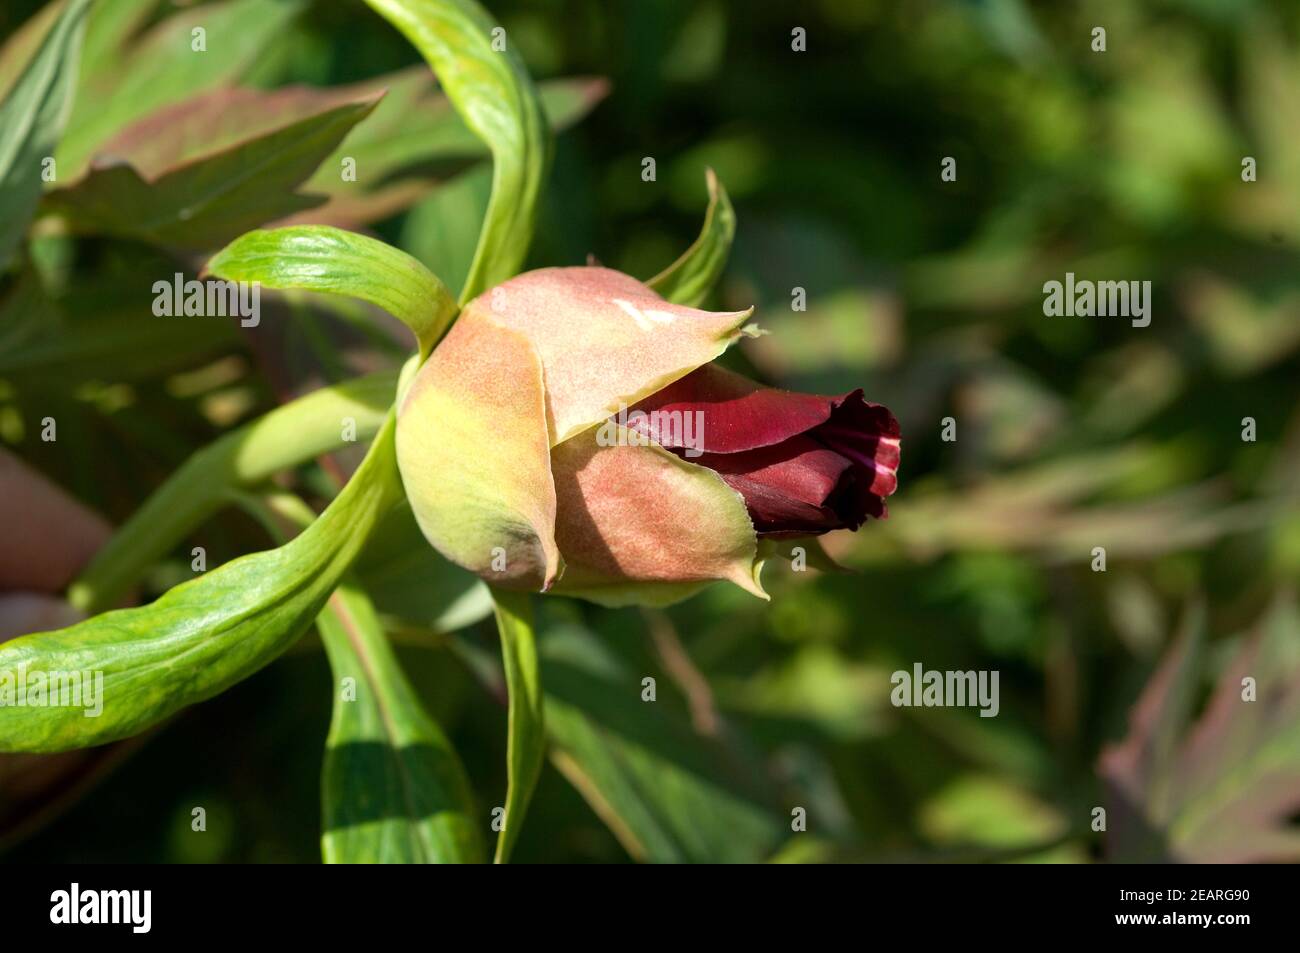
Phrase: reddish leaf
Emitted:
{"points": [[1223, 790], [209, 198]]}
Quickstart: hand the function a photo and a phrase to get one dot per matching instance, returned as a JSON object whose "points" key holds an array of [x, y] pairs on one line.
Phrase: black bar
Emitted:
{"points": [[1015, 901]]}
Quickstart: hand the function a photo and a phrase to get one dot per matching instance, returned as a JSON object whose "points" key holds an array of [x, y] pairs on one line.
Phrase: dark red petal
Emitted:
{"points": [[738, 413], [805, 464], [798, 487], [868, 435], [802, 462]]}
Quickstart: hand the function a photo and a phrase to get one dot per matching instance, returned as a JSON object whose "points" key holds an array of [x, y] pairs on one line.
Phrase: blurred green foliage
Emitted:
{"points": [[1072, 433]]}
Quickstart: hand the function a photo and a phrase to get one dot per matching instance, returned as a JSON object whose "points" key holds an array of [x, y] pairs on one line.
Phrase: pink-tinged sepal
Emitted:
{"points": [[605, 340]]}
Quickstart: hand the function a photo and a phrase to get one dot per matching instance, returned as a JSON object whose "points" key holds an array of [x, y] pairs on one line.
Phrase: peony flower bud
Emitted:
{"points": [[570, 434]]}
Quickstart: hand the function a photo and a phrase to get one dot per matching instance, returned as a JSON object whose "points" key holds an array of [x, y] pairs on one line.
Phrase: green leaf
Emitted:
{"points": [[333, 261], [201, 204], [198, 639], [22, 43], [206, 124], [413, 584], [32, 117], [111, 25], [691, 277], [60, 329], [526, 735], [26, 316], [565, 102], [285, 437], [419, 126], [400, 149], [132, 76], [495, 97], [41, 342], [393, 789], [669, 794], [400, 146], [440, 230]]}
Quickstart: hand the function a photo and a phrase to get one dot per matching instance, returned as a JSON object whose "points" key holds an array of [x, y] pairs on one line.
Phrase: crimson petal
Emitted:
{"points": [[739, 414], [804, 464]]}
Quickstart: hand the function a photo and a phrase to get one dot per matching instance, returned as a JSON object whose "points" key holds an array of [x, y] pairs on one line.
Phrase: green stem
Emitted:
{"points": [[526, 738]]}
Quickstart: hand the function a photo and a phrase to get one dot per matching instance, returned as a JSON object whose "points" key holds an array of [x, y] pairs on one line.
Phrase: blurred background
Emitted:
{"points": [[1071, 434]]}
